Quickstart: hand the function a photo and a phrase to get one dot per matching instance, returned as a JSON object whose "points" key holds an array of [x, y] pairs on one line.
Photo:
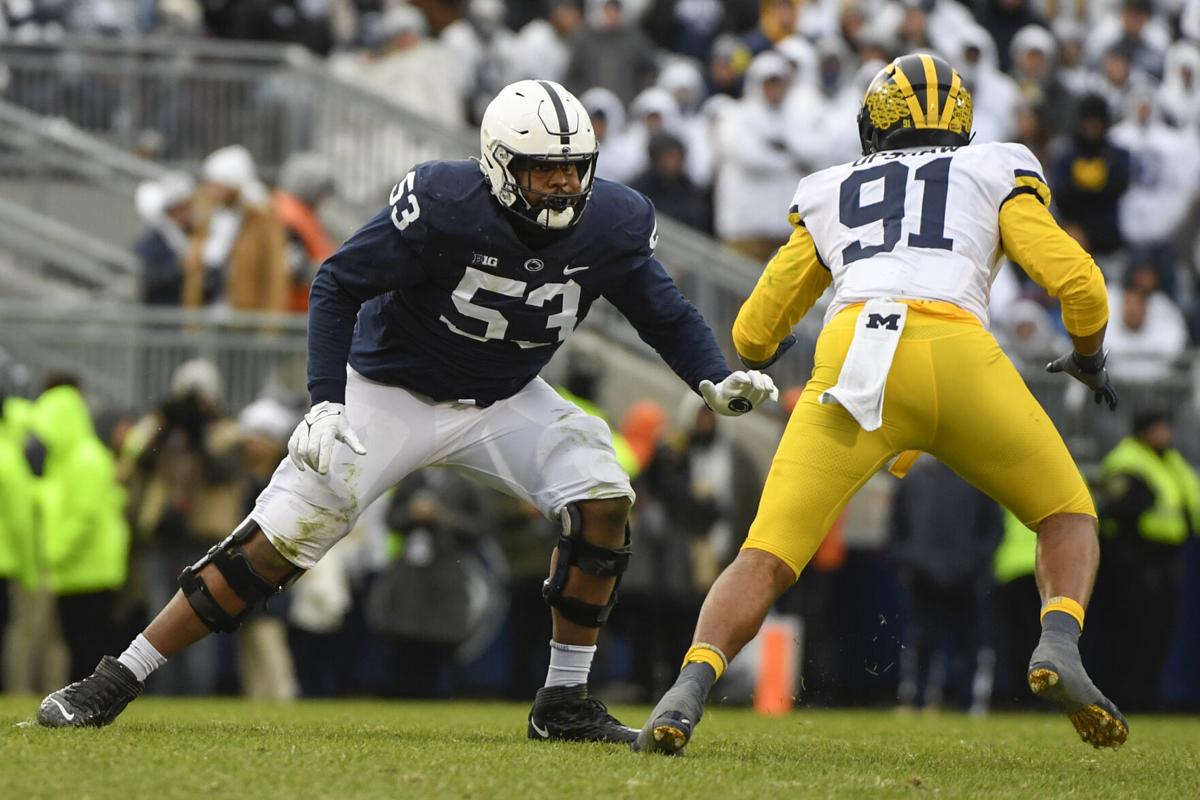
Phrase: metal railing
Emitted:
{"points": [[48, 258], [196, 95], [125, 354], [34, 145], [66, 218]]}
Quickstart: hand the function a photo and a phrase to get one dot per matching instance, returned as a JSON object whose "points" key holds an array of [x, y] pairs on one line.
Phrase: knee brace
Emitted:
{"points": [[575, 551], [231, 561]]}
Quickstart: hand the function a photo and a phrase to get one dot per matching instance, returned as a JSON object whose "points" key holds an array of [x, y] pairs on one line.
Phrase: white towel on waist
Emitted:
{"points": [[865, 371]]}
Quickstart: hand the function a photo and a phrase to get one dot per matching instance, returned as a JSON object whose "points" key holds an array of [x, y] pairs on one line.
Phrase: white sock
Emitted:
{"points": [[141, 658], [569, 664]]}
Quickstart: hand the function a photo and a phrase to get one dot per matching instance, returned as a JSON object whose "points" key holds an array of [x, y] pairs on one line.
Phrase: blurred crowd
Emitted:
{"points": [[715, 110], [229, 241], [923, 594]]}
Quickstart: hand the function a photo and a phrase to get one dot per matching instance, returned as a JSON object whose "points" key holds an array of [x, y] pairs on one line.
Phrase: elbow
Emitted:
{"points": [[749, 348], [1085, 304]]}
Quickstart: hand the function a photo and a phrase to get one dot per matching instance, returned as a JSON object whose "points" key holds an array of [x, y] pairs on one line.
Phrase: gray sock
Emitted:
{"points": [[1059, 648], [699, 674], [688, 694]]}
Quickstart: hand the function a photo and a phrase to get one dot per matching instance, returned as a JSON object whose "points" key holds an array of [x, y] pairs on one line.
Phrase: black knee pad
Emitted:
{"points": [[603, 562], [230, 560]]}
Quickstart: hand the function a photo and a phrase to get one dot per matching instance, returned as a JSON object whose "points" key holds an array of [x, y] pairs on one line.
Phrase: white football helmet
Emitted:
{"points": [[537, 121]]}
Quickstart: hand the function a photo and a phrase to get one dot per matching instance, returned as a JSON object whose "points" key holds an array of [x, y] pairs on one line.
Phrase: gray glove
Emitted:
{"points": [[1090, 371]]}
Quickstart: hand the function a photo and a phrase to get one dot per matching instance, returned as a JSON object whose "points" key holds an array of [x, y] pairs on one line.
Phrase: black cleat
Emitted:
{"points": [[94, 701], [570, 714]]}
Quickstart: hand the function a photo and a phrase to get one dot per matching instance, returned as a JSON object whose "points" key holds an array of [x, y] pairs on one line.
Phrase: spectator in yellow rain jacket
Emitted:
{"points": [[16, 511], [84, 535]]}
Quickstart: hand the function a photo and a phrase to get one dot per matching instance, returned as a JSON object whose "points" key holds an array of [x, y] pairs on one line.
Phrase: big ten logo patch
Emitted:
{"points": [[484, 261]]}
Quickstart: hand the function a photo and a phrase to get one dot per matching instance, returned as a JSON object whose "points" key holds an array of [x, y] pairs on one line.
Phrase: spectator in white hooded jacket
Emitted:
{"points": [[619, 158], [653, 111], [1147, 333], [994, 93], [1162, 185], [407, 66], [1179, 97], [685, 81], [758, 170]]}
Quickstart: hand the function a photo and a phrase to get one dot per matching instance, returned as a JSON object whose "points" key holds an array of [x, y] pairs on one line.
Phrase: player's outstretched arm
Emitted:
{"points": [[1057, 263], [789, 286], [666, 321]]}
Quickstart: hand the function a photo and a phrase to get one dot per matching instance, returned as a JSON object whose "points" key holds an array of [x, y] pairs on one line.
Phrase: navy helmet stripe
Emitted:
{"points": [[560, 110]]}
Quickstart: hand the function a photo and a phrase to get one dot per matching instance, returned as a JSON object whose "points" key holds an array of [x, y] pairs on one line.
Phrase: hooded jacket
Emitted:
{"points": [[1179, 96], [758, 169], [18, 493], [85, 539]]}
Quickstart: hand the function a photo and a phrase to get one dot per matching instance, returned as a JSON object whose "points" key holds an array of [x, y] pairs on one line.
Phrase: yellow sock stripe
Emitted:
{"points": [[704, 653], [931, 90], [914, 105], [1065, 605], [951, 101]]}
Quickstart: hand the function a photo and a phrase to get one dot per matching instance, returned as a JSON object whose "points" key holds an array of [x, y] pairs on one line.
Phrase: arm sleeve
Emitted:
{"points": [[787, 289], [1055, 261], [375, 260], [666, 321]]}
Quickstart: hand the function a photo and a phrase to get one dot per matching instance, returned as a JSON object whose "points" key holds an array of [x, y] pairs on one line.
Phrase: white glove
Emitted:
{"points": [[312, 441], [739, 392]]}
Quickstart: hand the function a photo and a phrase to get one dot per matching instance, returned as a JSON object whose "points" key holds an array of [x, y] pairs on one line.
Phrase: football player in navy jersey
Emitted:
{"points": [[427, 331]]}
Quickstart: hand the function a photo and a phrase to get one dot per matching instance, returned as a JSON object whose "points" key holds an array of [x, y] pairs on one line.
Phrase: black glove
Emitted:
{"points": [[784, 346], [1090, 371]]}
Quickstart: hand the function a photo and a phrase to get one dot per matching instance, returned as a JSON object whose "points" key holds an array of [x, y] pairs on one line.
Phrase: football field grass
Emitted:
{"points": [[231, 749]]}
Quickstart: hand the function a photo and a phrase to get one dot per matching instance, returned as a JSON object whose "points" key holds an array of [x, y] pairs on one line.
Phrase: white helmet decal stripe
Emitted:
{"points": [[560, 110]]}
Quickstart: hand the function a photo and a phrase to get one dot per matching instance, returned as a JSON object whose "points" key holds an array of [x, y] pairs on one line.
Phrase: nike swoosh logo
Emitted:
{"points": [[573, 270], [66, 716], [542, 732]]}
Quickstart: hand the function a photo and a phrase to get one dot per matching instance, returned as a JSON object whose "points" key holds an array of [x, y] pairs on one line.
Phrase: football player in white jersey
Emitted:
{"points": [[910, 236]]}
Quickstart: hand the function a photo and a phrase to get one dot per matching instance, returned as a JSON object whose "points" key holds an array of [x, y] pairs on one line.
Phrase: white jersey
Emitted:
{"points": [[920, 223]]}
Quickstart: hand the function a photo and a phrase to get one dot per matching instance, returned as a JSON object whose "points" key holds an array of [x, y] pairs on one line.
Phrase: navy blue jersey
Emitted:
{"points": [[451, 304]]}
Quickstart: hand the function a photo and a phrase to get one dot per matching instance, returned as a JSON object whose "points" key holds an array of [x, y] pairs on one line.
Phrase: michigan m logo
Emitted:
{"points": [[891, 321]]}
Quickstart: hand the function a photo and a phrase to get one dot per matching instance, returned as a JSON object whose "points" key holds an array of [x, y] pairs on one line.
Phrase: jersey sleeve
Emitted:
{"points": [[666, 321], [789, 286], [1033, 240], [636, 235], [377, 259]]}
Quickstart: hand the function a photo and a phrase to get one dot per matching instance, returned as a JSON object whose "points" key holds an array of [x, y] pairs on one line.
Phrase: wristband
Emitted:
{"points": [[1093, 363]]}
